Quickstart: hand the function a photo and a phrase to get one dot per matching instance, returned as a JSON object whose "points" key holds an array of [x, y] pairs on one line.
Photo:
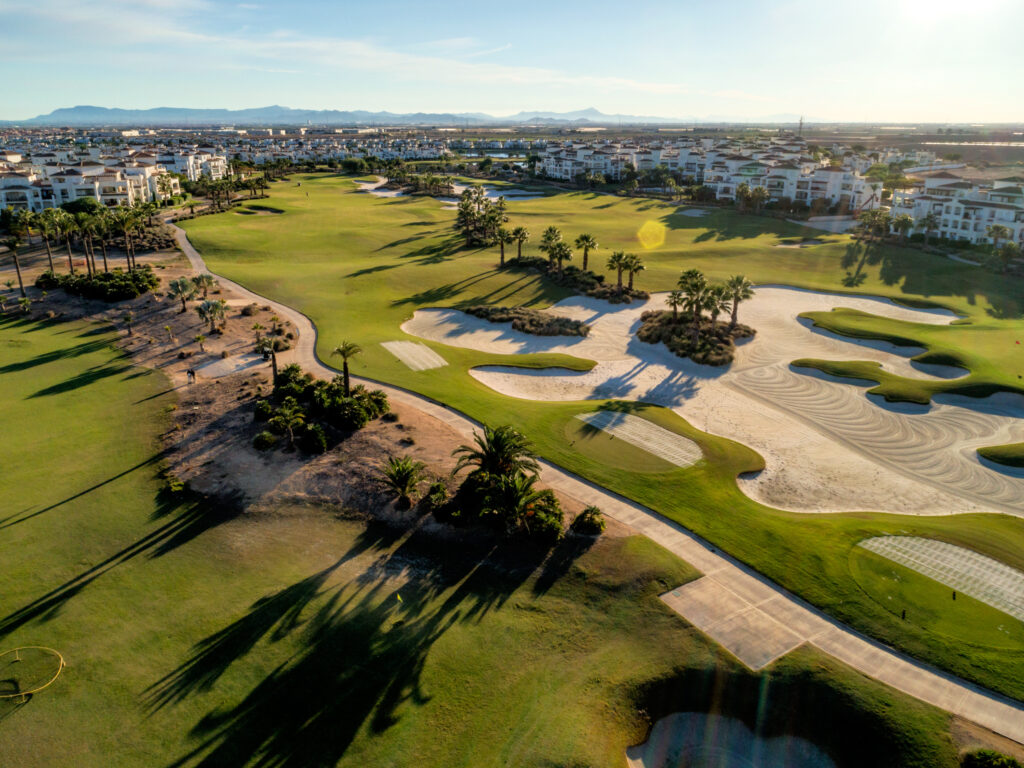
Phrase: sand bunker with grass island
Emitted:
{"points": [[828, 447]]}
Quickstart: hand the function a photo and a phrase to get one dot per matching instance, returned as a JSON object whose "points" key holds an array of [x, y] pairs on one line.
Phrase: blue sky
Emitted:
{"points": [[874, 60]]}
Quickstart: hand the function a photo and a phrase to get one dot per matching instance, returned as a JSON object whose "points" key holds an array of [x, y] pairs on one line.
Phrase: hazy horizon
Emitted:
{"points": [[906, 61]]}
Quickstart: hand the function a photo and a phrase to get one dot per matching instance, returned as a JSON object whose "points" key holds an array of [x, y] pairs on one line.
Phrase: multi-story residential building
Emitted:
{"points": [[965, 210]]}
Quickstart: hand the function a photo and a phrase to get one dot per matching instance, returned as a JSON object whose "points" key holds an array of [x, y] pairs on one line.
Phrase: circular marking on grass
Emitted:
{"points": [[28, 670]]}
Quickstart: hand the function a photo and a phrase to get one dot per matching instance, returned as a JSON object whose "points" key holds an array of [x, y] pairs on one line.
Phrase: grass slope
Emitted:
{"points": [[360, 265], [196, 638], [1012, 455]]}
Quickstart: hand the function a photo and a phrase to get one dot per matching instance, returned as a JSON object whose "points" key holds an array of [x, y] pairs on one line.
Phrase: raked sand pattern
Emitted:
{"points": [[418, 357], [827, 447], [649, 437], [973, 574]]}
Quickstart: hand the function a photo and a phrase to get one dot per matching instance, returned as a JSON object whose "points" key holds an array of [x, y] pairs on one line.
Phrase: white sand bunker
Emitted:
{"points": [[229, 365], [419, 357], [827, 447], [649, 437], [964, 570], [700, 740]]}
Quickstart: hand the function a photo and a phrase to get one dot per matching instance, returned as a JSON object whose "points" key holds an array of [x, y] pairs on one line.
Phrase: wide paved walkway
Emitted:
{"points": [[749, 615]]}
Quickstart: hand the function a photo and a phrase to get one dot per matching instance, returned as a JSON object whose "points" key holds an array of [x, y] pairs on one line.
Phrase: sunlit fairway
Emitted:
{"points": [[359, 266], [192, 635]]}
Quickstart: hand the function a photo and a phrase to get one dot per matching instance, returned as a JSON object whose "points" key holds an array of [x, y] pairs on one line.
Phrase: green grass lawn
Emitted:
{"points": [[359, 266], [1012, 455], [196, 637]]}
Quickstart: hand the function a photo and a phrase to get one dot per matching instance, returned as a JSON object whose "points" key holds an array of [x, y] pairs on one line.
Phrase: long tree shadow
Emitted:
{"points": [[83, 379], [191, 517], [361, 656]]}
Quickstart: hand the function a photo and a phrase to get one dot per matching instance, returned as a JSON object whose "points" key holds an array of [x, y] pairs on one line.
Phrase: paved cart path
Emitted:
{"points": [[752, 617]]}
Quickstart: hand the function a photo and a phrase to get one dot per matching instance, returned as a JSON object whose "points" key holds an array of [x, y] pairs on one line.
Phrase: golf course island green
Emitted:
{"points": [[360, 266], [198, 636], [1011, 455]]}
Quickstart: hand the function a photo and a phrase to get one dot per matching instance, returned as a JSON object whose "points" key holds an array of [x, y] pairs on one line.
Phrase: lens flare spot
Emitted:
{"points": [[651, 234]]}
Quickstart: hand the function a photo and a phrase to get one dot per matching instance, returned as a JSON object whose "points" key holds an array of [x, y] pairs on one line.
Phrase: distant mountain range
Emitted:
{"points": [[277, 115]]}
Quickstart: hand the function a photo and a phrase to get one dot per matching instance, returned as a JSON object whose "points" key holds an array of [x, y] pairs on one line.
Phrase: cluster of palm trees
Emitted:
{"points": [[84, 230], [628, 263], [220, 192], [479, 218], [753, 197], [695, 295], [876, 224]]}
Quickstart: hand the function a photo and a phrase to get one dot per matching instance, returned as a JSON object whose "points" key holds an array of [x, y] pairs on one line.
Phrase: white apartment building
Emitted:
{"points": [[123, 183], [965, 210]]}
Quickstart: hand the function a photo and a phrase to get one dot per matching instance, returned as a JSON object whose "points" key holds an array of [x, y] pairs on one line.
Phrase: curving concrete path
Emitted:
{"points": [[751, 616]]}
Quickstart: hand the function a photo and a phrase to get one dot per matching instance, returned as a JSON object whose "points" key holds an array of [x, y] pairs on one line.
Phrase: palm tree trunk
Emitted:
{"points": [[519, 250], [620, 280], [103, 248], [71, 261], [127, 251], [502, 263], [631, 273], [17, 268], [344, 377], [586, 253], [735, 309], [49, 254]]}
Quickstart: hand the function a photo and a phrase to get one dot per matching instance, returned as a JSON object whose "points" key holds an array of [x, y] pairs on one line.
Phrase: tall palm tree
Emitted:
{"points": [[617, 261], [101, 225], [588, 243], [84, 224], [13, 243], [1007, 254], [717, 301], [521, 235], [676, 299], [64, 225], [560, 252], [548, 239], [402, 475], [211, 312], [123, 221], [740, 289], [346, 350], [634, 264], [929, 223], [758, 196], [997, 232], [44, 223], [504, 237], [182, 289], [694, 287], [498, 452], [742, 195]]}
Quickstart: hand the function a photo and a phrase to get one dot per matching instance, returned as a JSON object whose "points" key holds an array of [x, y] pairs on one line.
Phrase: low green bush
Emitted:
{"points": [[531, 321], [115, 285], [313, 439], [263, 410], [715, 344], [986, 758], [264, 441], [589, 522]]}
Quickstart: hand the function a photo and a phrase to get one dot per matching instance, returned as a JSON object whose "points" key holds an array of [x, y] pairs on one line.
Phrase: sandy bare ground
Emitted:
{"points": [[827, 447]]}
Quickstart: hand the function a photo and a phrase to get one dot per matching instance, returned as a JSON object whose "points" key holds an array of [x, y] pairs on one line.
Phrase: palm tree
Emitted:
{"points": [[521, 235], [742, 195], [128, 318], [676, 299], [83, 223], [211, 312], [929, 223], [1007, 254], [123, 221], [716, 302], [758, 196], [548, 239], [287, 418], [560, 252], [695, 287], [64, 225], [13, 243], [256, 328], [997, 232], [204, 283], [498, 452], [402, 475], [346, 350], [618, 261], [200, 339], [513, 499], [634, 264], [182, 289], [739, 289], [44, 223], [588, 243], [503, 236], [903, 224]]}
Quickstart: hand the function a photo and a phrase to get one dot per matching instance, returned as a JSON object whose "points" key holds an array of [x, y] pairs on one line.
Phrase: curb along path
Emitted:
{"points": [[749, 615]]}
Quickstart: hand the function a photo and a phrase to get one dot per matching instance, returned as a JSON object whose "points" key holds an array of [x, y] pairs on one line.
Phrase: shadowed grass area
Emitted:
{"points": [[197, 637], [348, 260]]}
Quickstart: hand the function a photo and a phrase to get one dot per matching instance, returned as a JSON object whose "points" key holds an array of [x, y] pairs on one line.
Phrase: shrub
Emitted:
{"points": [[250, 309], [986, 758], [436, 496], [531, 321], [263, 411], [546, 523], [313, 439], [715, 346], [116, 285], [280, 345], [264, 441], [589, 522]]}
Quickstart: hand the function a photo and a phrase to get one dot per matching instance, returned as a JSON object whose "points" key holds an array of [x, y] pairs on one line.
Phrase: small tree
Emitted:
{"points": [[204, 283], [127, 318], [211, 312], [929, 223], [618, 261], [903, 224], [738, 289], [346, 350], [521, 235], [998, 233], [402, 475], [288, 418], [504, 237], [586, 243], [200, 340], [182, 289], [676, 299]]}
